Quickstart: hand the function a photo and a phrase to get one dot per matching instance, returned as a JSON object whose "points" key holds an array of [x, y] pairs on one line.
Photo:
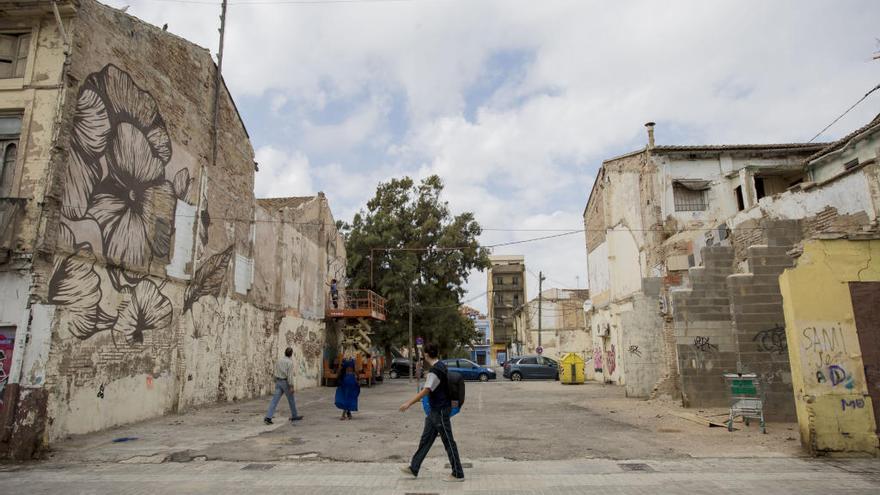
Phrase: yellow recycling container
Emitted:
{"points": [[571, 369]]}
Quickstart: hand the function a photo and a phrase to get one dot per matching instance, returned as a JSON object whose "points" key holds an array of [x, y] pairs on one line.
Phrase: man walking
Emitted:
{"points": [[283, 377], [437, 422]]}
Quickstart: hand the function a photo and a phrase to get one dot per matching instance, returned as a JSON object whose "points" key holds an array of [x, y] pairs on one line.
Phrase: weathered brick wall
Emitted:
{"points": [[594, 217], [704, 331]]}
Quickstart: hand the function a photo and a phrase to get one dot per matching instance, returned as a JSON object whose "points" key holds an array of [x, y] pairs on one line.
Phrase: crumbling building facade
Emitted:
{"points": [[138, 274]]}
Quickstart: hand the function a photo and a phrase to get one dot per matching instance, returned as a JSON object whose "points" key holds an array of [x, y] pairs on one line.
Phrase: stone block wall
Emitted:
{"points": [[704, 332], [756, 305]]}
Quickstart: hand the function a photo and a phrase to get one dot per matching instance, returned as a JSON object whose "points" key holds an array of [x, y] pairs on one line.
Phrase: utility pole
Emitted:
{"points": [[411, 350], [540, 302], [218, 81]]}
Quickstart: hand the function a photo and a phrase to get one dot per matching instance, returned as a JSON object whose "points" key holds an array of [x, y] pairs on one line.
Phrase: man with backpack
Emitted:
{"points": [[440, 398]]}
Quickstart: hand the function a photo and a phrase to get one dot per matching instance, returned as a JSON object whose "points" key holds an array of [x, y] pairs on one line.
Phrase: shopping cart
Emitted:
{"points": [[746, 399]]}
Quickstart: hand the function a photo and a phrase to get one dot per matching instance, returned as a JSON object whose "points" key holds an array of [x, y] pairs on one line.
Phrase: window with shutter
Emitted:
{"points": [[24, 44], [13, 54]]}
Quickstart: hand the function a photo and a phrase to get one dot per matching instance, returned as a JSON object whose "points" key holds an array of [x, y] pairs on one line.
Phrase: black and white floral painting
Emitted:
{"points": [[119, 205]]}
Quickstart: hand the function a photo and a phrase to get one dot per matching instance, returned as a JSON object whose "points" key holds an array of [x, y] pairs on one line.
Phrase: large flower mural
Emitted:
{"points": [[76, 284], [148, 310], [116, 186]]}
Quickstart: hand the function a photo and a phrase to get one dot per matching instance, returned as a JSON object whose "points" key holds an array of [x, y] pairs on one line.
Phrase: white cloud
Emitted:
{"points": [[706, 72], [282, 174]]}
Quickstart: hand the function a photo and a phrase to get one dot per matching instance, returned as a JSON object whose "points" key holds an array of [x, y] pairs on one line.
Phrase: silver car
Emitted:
{"points": [[531, 368]]}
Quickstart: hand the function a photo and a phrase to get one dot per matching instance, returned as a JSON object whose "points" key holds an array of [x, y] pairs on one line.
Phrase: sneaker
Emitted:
{"points": [[296, 418], [407, 471], [453, 479], [268, 421]]}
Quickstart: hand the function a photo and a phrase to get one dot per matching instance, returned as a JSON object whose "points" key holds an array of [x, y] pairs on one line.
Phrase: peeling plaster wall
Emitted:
{"points": [[834, 407], [642, 352], [136, 309], [849, 195]]}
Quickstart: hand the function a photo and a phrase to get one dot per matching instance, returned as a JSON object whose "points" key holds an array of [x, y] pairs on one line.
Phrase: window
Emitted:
{"points": [[760, 190], [499, 299], [690, 195], [740, 202], [546, 361], [515, 280], [10, 127], [13, 54], [851, 164], [516, 299], [530, 360], [499, 280]]}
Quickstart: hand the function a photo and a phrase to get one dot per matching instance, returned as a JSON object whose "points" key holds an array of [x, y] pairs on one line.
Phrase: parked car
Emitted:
{"points": [[400, 368], [470, 370], [531, 368]]}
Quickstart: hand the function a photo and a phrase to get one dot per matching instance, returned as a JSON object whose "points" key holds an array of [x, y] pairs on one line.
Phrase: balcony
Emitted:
{"points": [[505, 269], [11, 213], [507, 287]]}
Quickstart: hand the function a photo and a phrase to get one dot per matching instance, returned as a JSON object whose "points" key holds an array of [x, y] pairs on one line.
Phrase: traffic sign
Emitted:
{"points": [[420, 341], [540, 350]]}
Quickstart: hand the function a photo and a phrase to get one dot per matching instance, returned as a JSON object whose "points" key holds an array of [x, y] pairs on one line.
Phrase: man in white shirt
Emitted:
{"points": [[283, 377], [437, 423]]}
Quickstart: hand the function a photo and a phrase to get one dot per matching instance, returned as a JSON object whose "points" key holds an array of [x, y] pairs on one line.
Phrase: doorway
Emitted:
{"points": [[866, 309]]}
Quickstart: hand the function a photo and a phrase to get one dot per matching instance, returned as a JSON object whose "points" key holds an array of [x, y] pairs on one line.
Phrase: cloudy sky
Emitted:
{"points": [[515, 103]]}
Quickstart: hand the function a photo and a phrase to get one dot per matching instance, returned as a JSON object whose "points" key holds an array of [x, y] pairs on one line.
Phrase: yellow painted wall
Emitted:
{"points": [[833, 407]]}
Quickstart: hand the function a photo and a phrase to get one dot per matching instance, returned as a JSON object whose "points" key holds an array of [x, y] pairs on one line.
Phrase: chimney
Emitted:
{"points": [[650, 127]]}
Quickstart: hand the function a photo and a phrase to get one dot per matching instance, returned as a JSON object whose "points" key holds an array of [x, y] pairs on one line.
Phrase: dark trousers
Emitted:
{"points": [[437, 423]]}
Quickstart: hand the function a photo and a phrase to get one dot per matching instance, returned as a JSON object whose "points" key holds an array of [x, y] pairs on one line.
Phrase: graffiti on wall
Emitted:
{"points": [[852, 404], [835, 375], [611, 360], [704, 344], [7, 343], [634, 350], [703, 353], [772, 340], [117, 205], [597, 358], [824, 343]]}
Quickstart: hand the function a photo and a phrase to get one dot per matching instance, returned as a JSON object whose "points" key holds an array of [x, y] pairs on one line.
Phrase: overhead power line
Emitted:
{"points": [[283, 2], [875, 88]]}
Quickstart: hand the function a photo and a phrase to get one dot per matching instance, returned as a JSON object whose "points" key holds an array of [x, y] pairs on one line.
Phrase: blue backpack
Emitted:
{"points": [[455, 391]]}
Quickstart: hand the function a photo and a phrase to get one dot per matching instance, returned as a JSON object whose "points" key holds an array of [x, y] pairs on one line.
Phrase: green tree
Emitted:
{"points": [[407, 237]]}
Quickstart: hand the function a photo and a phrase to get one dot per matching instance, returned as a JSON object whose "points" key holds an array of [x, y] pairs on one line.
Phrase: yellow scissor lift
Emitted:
{"points": [[357, 309]]}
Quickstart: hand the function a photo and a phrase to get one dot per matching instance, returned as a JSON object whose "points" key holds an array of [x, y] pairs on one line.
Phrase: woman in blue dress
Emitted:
{"points": [[348, 387]]}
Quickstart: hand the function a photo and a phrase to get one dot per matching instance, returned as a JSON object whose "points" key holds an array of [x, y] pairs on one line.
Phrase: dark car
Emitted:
{"points": [[470, 370], [400, 368], [531, 368]]}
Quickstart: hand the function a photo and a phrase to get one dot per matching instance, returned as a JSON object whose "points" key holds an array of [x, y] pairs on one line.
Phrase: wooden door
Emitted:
{"points": [[866, 308]]}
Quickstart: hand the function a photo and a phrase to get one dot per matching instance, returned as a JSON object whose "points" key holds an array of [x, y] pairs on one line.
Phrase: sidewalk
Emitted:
{"points": [[489, 477]]}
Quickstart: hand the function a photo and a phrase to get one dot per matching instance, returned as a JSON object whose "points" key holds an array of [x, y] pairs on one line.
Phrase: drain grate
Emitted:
{"points": [[258, 467], [636, 466], [468, 465]]}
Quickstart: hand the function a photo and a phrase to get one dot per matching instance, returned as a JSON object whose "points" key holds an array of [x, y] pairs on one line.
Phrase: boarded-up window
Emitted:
{"points": [[13, 54], [690, 195]]}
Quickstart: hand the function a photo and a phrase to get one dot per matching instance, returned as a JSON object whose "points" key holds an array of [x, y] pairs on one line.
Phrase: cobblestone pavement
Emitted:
{"points": [[655, 477]]}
